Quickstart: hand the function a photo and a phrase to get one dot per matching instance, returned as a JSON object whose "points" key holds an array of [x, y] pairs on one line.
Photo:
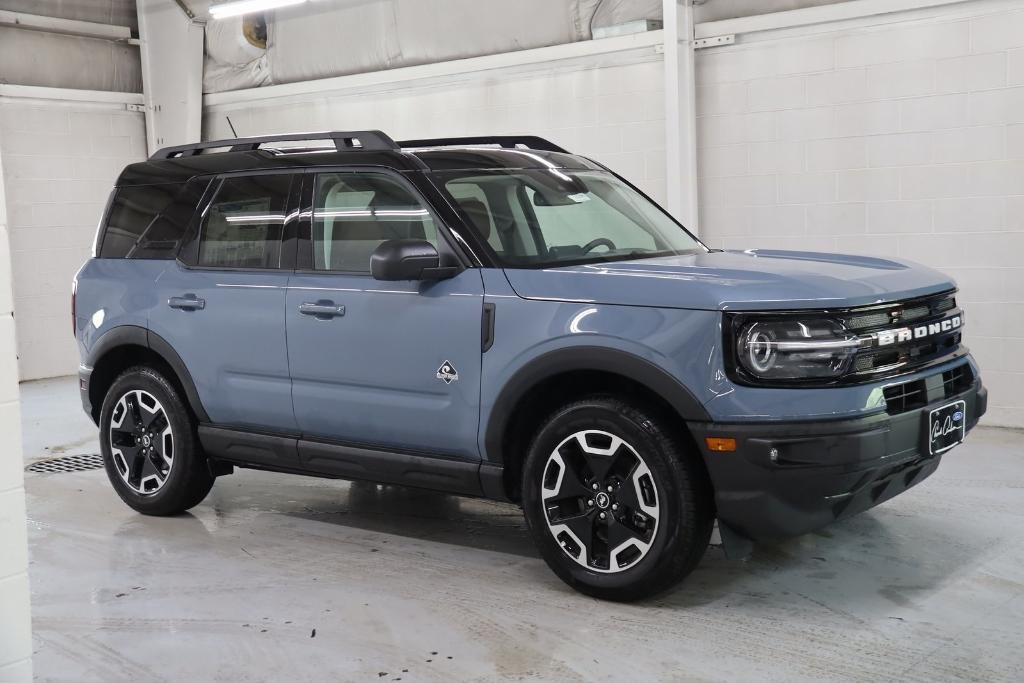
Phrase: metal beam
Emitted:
{"points": [[680, 113], [129, 100], [70, 27], [172, 73], [809, 16]]}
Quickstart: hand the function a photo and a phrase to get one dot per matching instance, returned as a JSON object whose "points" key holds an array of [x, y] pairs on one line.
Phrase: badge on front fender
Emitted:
{"points": [[447, 373]]}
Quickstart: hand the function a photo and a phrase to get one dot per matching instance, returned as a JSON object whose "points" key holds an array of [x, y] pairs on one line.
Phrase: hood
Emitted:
{"points": [[735, 280]]}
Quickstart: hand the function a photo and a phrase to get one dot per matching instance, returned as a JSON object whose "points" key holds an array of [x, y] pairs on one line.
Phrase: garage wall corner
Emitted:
{"points": [[15, 622]]}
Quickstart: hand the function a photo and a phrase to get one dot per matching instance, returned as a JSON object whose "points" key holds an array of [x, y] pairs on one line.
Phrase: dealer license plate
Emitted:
{"points": [[946, 427]]}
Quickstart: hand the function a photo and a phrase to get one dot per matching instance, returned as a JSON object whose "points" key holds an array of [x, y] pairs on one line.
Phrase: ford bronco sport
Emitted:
{"points": [[496, 317]]}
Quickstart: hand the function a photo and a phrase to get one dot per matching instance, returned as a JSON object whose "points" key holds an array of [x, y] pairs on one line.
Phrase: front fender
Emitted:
{"points": [[668, 351]]}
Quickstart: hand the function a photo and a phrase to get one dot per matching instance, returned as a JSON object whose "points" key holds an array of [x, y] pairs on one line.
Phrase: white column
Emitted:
{"points": [[15, 624], [680, 113], [172, 73]]}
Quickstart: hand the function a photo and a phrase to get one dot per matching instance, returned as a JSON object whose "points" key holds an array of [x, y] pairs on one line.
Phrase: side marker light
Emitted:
{"points": [[720, 444]]}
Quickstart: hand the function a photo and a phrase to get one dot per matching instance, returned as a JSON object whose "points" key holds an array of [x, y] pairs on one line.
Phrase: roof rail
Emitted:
{"points": [[507, 141], [344, 141]]}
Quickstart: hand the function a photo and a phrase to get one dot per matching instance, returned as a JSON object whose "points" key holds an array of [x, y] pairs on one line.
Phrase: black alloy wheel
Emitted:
{"points": [[617, 499], [600, 501], [150, 447], [141, 441]]}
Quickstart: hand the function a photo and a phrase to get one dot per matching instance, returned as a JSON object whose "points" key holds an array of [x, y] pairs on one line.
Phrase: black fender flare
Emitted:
{"points": [[600, 358], [133, 335]]}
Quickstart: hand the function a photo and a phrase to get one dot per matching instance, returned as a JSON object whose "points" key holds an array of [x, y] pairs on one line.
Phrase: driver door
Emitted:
{"points": [[385, 366]]}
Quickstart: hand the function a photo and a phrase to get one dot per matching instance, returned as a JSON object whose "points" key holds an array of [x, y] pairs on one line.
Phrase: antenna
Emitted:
{"points": [[231, 126]]}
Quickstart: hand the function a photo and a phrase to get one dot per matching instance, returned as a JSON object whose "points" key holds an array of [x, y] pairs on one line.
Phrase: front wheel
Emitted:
{"points": [[149, 443], [618, 506]]}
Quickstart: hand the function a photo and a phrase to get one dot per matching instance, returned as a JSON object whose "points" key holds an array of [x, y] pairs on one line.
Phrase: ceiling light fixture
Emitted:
{"points": [[237, 7]]}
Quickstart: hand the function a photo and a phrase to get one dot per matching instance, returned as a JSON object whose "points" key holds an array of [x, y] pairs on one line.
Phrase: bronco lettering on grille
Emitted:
{"points": [[906, 334]]}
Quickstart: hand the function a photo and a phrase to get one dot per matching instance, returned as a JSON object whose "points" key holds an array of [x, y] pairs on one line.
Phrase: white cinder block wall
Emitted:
{"points": [[614, 113], [15, 634], [904, 138], [60, 163]]}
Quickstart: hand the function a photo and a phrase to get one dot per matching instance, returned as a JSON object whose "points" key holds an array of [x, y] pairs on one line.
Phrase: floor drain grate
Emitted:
{"points": [[67, 463]]}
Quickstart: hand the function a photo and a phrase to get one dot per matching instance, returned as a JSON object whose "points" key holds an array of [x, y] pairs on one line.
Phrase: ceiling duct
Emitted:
{"points": [[325, 39]]}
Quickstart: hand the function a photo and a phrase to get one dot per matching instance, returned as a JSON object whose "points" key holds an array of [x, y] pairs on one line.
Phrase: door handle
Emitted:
{"points": [[324, 310], [188, 302]]}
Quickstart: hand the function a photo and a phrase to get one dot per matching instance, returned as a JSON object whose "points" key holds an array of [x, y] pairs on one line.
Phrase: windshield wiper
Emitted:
{"points": [[642, 253]]}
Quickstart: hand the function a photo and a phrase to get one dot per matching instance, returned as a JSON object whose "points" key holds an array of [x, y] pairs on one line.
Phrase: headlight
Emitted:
{"points": [[794, 349]]}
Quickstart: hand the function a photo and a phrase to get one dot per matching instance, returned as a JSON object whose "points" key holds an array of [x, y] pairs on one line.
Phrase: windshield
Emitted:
{"points": [[553, 217]]}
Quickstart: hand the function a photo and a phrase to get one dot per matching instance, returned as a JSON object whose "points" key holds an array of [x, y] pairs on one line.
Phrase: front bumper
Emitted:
{"points": [[822, 471]]}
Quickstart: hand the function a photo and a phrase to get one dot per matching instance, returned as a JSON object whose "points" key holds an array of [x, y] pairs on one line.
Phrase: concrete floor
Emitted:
{"points": [[278, 577]]}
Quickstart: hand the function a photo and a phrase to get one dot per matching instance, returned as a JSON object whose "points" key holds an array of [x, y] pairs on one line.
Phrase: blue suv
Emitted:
{"points": [[497, 317]]}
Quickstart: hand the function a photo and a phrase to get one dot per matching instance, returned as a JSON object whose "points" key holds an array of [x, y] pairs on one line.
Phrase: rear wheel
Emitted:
{"points": [[618, 507], [150, 449]]}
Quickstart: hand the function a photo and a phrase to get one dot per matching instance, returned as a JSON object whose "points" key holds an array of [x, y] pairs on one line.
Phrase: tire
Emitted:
{"points": [[157, 468], [648, 471]]}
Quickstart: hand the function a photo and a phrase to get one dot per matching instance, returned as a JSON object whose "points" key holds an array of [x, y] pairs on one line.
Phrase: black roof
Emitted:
{"points": [[362, 148]]}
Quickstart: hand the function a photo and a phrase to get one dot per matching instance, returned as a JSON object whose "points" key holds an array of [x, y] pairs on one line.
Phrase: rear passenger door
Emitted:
{"points": [[221, 304], [394, 366]]}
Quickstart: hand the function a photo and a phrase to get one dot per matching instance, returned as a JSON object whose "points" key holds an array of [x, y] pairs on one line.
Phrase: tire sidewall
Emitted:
{"points": [[641, 435], [181, 425]]}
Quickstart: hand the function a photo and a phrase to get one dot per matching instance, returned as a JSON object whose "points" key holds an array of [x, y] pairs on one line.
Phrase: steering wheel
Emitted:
{"points": [[597, 242]]}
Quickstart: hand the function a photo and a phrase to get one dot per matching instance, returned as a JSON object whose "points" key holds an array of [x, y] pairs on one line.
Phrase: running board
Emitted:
{"points": [[297, 455]]}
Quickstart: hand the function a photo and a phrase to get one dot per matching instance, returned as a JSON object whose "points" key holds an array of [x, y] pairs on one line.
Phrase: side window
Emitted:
{"points": [[494, 205], [353, 212], [474, 203], [140, 223], [243, 225]]}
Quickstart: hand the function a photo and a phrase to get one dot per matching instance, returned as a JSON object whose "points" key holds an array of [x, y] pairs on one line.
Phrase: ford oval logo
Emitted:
{"points": [[958, 415]]}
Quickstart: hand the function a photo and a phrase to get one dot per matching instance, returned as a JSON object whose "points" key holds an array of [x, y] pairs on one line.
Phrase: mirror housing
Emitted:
{"points": [[408, 259]]}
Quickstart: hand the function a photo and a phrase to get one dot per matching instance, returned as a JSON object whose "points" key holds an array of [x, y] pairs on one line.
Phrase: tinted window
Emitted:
{"points": [[551, 217], [142, 224], [243, 225], [354, 212]]}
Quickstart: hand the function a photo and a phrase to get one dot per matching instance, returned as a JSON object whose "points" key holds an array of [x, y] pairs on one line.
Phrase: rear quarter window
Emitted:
{"points": [[149, 221]]}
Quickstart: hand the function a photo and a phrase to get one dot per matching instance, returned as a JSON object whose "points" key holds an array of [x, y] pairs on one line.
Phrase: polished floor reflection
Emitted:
{"points": [[278, 577]]}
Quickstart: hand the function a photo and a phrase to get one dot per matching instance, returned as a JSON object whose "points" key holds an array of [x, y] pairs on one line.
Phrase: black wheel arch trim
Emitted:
{"points": [[133, 335], [576, 358]]}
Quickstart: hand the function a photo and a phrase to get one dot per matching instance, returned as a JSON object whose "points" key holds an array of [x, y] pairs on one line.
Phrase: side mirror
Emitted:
{"points": [[408, 260]]}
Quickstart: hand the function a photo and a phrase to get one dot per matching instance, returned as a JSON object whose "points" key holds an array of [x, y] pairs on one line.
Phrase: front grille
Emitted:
{"points": [[868, 320], [875, 359], [906, 356], [901, 313], [907, 396]]}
